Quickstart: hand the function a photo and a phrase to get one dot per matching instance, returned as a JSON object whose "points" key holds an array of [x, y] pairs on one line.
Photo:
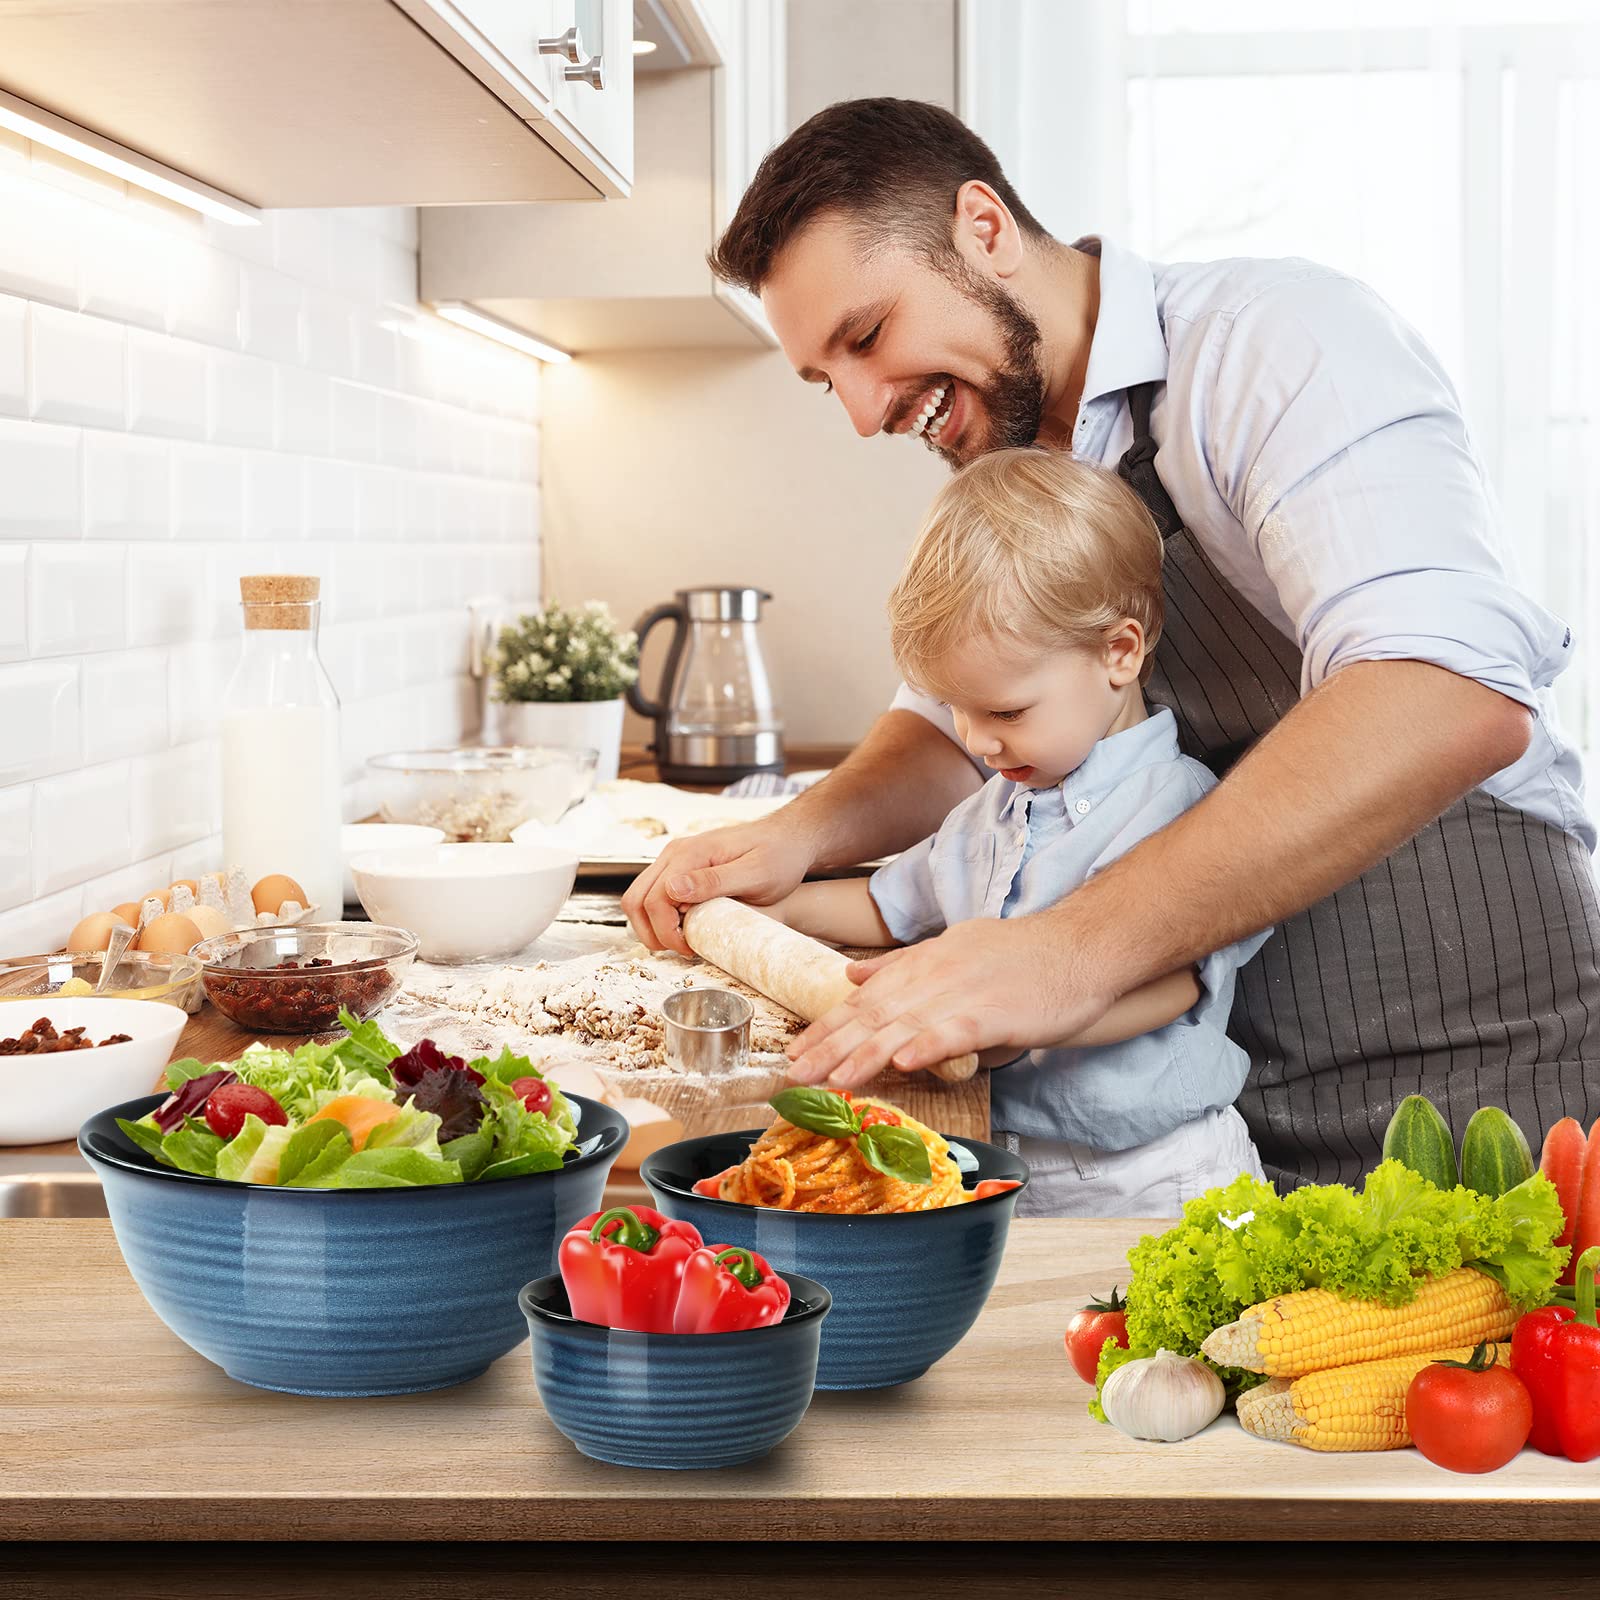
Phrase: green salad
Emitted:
{"points": [[359, 1113]]}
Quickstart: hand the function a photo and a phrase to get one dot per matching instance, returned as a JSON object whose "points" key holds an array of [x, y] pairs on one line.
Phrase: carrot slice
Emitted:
{"points": [[1586, 1227], [1561, 1161], [358, 1114]]}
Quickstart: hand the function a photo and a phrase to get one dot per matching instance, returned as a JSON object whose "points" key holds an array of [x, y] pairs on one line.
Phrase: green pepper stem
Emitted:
{"points": [[742, 1266], [633, 1232], [1583, 1282]]}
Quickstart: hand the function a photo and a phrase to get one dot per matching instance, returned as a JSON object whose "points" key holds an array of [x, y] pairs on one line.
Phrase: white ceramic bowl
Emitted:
{"points": [[467, 902], [361, 838], [48, 1097]]}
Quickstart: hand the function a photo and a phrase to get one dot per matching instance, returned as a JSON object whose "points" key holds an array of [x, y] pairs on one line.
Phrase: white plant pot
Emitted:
{"points": [[567, 725]]}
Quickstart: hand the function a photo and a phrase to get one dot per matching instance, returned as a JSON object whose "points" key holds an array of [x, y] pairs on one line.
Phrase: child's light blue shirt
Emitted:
{"points": [[1010, 850]]}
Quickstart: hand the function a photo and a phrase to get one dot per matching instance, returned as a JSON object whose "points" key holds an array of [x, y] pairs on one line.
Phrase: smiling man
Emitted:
{"points": [[1345, 644]]}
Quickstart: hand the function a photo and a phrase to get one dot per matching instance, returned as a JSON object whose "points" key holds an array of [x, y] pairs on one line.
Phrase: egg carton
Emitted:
{"points": [[227, 892]]}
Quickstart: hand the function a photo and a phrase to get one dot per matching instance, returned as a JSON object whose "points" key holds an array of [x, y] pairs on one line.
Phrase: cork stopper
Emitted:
{"points": [[279, 600]]}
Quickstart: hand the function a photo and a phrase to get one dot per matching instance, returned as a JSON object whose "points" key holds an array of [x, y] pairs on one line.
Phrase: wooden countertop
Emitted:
{"points": [[116, 1430]]}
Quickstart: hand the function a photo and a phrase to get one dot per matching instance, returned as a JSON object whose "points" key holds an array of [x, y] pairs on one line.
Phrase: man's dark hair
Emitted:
{"points": [[891, 166]]}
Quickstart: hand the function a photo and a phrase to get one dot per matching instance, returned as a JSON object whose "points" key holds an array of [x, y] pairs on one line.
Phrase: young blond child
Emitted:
{"points": [[1031, 604]]}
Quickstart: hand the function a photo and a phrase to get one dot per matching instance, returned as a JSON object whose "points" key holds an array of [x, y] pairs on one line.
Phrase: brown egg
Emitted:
{"points": [[128, 911], [93, 933], [187, 883], [163, 895], [170, 935], [268, 895], [211, 922]]}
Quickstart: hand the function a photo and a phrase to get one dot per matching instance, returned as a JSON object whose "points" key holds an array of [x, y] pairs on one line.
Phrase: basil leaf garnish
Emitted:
{"points": [[817, 1111], [895, 1152]]}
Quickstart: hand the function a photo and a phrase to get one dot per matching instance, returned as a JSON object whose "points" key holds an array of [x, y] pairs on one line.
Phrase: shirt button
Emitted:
{"points": [[1081, 807]]}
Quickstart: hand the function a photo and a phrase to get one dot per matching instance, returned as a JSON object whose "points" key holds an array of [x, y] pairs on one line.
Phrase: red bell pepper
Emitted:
{"points": [[727, 1288], [1556, 1353], [622, 1267]]}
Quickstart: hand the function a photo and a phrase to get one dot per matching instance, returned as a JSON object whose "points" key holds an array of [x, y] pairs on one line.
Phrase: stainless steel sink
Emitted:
{"points": [[51, 1194]]}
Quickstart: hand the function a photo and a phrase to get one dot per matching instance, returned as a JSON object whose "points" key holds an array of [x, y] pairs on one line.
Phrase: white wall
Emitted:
{"points": [[182, 401]]}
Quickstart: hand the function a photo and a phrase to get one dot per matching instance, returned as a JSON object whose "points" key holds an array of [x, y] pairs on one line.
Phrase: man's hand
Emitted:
{"points": [[755, 861], [978, 985]]}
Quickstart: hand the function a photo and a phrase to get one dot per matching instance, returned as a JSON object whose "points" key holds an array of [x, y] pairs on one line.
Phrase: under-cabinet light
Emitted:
{"points": [[470, 317], [44, 127]]}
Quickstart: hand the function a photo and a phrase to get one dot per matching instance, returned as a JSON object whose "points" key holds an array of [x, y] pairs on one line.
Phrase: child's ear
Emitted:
{"points": [[1124, 653]]}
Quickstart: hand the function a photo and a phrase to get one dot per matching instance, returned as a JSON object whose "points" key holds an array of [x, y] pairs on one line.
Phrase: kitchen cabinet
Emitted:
{"points": [[341, 102], [635, 276]]}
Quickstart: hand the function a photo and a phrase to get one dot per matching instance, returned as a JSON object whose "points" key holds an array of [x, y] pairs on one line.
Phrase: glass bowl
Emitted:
{"points": [[477, 796], [139, 975], [296, 980]]}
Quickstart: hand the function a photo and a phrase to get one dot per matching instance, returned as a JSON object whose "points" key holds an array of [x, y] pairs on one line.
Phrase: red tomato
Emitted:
{"points": [[874, 1115], [227, 1107], [1090, 1328], [1468, 1416], [991, 1186], [534, 1093]]}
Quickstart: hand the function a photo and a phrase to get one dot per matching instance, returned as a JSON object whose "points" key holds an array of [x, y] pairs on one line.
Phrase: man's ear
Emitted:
{"points": [[986, 234], [1124, 652]]}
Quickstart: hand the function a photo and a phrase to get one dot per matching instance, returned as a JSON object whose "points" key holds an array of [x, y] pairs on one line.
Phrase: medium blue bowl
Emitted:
{"points": [[906, 1287], [674, 1400], [343, 1291]]}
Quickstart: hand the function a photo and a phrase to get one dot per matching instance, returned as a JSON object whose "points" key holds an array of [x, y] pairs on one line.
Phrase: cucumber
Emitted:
{"points": [[1419, 1138], [1494, 1154]]}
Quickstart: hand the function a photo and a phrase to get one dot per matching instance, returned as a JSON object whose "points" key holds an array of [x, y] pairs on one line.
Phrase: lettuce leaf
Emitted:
{"points": [[305, 1146], [1243, 1243], [190, 1147], [402, 1168]]}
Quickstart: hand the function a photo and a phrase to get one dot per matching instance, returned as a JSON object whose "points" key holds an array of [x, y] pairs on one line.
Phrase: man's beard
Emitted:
{"points": [[1013, 399]]}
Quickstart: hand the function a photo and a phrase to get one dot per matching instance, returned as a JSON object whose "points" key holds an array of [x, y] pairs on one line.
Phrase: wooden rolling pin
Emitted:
{"points": [[801, 974]]}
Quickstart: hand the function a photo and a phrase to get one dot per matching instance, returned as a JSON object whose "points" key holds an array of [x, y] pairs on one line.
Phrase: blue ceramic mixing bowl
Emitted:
{"points": [[678, 1400], [343, 1291], [906, 1287]]}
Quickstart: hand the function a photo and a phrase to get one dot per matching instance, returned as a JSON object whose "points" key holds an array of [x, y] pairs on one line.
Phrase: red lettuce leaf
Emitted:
{"points": [[425, 1057], [188, 1100], [452, 1096]]}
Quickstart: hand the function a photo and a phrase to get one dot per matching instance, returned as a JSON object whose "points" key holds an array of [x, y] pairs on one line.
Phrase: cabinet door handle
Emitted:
{"points": [[568, 45], [591, 72]]}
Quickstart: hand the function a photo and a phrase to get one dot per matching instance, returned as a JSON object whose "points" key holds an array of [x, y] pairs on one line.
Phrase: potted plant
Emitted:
{"points": [[560, 674]]}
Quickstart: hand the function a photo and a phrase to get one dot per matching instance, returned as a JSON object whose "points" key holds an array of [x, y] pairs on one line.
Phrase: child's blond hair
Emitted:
{"points": [[1026, 546]]}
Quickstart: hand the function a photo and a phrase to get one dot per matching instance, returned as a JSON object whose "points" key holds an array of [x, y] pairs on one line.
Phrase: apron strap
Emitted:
{"points": [[1137, 468]]}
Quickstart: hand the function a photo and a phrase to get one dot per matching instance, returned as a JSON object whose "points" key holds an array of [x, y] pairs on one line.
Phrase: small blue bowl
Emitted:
{"points": [[343, 1291], [906, 1286], [675, 1400]]}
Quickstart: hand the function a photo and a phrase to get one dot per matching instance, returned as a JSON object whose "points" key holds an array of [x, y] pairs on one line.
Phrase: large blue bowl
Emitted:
{"points": [[675, 1400], [906, 1287], [343, 1291]]}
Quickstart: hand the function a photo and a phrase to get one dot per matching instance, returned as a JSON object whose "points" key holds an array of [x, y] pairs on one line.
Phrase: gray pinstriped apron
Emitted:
{"points": [[1462, 967]]}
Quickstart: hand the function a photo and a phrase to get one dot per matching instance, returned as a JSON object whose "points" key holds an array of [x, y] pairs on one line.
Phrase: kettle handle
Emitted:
{"points": [[636, 697]]}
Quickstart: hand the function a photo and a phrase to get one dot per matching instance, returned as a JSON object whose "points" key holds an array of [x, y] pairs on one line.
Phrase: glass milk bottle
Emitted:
{"points": [[280, 746]]}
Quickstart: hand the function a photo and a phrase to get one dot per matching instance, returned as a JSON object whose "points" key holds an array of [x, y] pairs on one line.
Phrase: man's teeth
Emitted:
{"points": [[925, 416]]}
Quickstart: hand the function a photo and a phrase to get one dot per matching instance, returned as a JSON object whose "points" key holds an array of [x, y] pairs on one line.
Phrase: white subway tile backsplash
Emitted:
{"points": [[13, 353], [39, 712], [80, 826], [175, 797], [243, 400], [39, 487], [76, 598], [13, 601], [16, 846], [127, 488], [180, 403], [124, 704], [166, 385]]}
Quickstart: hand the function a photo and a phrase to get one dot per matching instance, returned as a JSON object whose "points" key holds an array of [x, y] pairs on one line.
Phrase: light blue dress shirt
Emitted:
{"points": [[1009, 850], [1316, 450]]}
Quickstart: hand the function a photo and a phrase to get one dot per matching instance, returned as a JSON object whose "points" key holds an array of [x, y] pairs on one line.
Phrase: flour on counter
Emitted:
{"points": [[610, 1002]]}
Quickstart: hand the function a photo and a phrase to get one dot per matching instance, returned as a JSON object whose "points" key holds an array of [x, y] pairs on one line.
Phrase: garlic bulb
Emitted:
{"points": [[1162, 1397]]}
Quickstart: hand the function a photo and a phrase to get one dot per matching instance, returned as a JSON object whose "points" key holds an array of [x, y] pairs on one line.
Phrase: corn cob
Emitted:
{"points": [[1359, 1407], [1313, 1328]]}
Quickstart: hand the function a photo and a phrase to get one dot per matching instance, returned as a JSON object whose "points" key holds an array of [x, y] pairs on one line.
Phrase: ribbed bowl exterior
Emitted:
{"points": [[675, 1401], [905, 1288], [345, 1292]]}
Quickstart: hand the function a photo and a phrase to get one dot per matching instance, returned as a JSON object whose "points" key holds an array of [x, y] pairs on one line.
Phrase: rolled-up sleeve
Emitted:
{"points": [[903, 892], [1338, 442]]}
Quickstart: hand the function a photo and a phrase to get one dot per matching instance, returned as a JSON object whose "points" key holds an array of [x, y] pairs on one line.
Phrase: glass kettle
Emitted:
{"points": [[714, 715]]}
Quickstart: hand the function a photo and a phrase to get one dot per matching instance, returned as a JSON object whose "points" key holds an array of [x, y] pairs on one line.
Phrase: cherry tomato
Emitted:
{"points": [[876, 1114], [227, 1107], [991, 1186], [1469, 1416], [534, 1093], [1090, 1328]]}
